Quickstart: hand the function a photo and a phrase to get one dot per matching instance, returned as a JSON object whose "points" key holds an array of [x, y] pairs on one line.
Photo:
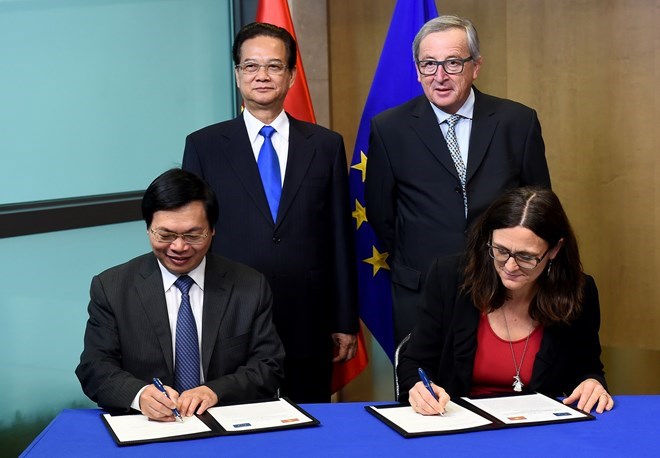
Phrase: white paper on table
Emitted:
{"points": [[456, 418], [527, 408], [258, 415], [130, 428]]}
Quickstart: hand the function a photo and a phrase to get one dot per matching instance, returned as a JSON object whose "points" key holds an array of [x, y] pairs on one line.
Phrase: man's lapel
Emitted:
{"points": [[301, 154], [425, 125], [483, 128], [150, 290], [241, 159], [217, 291]]}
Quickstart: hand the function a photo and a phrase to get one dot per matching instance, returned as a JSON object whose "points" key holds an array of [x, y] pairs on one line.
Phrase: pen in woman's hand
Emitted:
{"points": [[427, 384]]}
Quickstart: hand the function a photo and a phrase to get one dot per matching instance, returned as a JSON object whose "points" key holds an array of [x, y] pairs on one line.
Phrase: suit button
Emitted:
{"points": [[276, 239], [458, 190]]}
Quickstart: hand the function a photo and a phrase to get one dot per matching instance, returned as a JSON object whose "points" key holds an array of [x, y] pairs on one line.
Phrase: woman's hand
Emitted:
{"points": [[421, 401], [591, 393]]}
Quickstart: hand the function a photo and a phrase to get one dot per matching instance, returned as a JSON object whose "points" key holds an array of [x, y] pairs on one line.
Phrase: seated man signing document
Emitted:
{"points": [[198, 322]]}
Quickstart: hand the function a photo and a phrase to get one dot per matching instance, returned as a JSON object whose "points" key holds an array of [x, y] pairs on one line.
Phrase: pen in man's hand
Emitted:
{"points": [[160, 386], [427, 384]]}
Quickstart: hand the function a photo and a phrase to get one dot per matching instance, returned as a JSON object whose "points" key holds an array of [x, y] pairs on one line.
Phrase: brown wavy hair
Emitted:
{"points": [[561, 289]]}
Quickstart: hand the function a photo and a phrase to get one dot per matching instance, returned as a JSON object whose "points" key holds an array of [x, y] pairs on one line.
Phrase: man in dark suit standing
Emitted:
{"points": [[199, 322], [282, 185], [437, 161]]}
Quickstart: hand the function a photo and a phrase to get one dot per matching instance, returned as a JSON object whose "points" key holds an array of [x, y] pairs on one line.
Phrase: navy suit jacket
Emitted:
{"points": [[128, 340], [444, 342], [307, 255], [413, 193]]}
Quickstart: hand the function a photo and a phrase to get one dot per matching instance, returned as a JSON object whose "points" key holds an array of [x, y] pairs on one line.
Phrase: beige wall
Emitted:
{"points": [[311, 23], [589, 67]]}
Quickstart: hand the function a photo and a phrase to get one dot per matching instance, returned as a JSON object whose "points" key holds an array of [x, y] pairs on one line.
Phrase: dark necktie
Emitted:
{"points": [[452, 144], [186, 363], [269, 168]]}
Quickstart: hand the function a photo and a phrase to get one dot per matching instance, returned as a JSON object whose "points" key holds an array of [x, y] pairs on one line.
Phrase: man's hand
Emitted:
{"points": [[156, 406], [196, 400], [345, 346]]}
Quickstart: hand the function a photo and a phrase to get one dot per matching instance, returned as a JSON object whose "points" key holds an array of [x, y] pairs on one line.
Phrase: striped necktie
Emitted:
{"points": [[186, 363], [452, 144]]}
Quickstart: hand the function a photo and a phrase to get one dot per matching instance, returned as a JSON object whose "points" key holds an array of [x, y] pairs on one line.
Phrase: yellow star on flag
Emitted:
{"points": [[359, 214], [378, 260], [362, 165]]}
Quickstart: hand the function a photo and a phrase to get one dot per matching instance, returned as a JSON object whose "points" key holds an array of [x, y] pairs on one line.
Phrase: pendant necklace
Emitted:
{"points": [[517, 383]]}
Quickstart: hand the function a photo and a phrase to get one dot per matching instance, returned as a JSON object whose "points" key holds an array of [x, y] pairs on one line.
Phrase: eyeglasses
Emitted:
{"points": [[450, 66], [272, 68], [170, 237], [524, 261]]}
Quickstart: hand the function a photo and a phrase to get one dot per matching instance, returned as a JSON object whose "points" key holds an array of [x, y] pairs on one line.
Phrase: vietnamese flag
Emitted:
{"points": [[298, 104], [343, 373]]}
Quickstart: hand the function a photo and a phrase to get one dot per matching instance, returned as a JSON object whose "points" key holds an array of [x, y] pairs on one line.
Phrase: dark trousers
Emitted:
{"points": [[308, 380]]}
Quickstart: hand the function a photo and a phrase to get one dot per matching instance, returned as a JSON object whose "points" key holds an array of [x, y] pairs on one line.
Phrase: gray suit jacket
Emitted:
{"points": [[128, 340]]}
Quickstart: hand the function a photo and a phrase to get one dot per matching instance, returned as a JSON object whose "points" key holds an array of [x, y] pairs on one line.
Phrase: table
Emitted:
{"points": [[631, 429]]}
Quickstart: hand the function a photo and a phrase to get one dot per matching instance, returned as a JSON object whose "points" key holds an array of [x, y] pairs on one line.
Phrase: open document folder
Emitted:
{"points": [[216, 421], [475, 414]]}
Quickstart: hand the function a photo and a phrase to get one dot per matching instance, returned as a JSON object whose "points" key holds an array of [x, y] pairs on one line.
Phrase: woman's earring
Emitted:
{"points": [[549, 266]]}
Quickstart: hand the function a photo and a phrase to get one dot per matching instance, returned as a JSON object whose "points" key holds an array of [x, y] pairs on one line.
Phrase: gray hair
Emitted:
{"points": [[443, 23]]}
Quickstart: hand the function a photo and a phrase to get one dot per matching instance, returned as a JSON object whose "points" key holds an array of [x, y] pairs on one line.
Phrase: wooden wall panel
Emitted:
{"points": [[357, 32], [589, 69]]}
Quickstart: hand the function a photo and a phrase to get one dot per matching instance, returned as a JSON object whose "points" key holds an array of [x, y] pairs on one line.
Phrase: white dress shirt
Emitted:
{"points": [[462, 128], [173, 301], [280, 138]]}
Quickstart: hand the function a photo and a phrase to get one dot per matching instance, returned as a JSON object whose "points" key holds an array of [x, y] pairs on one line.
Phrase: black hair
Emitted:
{"points": [[177, 188], [259, 29]]}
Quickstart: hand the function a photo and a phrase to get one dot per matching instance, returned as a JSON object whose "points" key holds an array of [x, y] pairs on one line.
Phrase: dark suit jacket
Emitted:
{"points": [[413, 193], [128, 340], [307, 255], [444, 342]]}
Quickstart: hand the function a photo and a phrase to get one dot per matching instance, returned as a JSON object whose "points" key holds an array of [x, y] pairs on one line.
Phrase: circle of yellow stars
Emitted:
{"points": [[378, 260]]}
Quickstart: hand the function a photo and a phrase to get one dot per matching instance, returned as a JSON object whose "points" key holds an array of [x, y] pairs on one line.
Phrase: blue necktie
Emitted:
{"points": [[452, 144], [269, 168], [186, 363]]}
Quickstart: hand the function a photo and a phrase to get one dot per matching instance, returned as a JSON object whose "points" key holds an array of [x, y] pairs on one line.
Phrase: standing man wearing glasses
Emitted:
{"points": [[282, 186], [200, 323], [437, 161]]}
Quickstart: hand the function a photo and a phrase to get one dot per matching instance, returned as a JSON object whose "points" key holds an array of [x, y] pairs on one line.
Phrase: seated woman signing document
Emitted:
{"points": [[516, 313]]}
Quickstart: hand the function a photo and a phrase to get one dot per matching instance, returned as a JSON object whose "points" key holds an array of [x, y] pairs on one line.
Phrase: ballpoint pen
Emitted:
{"points": [[427, 384], [160, 386]]}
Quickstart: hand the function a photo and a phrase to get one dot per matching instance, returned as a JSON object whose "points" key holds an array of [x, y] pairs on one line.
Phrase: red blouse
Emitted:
{"points": [[493, 364]]}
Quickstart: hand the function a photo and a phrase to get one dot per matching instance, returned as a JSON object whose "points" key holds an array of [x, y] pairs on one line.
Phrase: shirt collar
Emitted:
{"points": [[253, 125], [197, 274], [466, 111]]}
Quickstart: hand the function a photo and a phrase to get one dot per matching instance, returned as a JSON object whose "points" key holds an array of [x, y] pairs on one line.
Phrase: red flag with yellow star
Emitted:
{"points": [[298, 103]]}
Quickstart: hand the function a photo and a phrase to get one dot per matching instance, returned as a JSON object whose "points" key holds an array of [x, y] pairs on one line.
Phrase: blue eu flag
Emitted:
{"points": [[395, 82]]}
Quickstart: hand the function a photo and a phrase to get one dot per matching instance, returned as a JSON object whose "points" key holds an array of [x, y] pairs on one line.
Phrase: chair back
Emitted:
{"points": [[399, 349]]}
